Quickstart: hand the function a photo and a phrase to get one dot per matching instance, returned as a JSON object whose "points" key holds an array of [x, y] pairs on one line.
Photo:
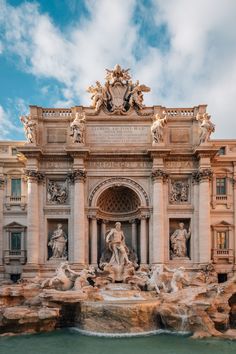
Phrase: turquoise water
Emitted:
{"points": [[71, 342]]}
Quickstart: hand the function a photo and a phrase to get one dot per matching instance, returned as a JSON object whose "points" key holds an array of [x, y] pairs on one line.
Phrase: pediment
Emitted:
{"points": [[223, 223], [14, 225]]}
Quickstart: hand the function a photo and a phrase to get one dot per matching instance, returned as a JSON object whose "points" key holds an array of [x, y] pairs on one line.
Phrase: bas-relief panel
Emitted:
{"points": [[118, 134]]}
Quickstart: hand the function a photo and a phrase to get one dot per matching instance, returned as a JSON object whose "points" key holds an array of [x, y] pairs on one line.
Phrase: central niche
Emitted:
{"points": [[118, 200]]}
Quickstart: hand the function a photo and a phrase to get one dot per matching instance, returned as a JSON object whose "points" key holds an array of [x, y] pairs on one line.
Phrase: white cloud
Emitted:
{"points": [[198, 66], [6, 126]]}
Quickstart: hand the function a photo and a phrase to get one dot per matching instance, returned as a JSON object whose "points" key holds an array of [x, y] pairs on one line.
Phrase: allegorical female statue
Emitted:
{"points": [[178, 241], [58, 243]]}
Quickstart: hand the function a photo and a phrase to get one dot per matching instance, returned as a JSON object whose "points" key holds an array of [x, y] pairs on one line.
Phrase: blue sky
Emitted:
{"points": [[52, 50]]}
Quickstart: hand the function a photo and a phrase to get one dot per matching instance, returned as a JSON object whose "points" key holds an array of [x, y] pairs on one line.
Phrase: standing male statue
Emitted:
{"points": [[116, 240], [179, 241]]}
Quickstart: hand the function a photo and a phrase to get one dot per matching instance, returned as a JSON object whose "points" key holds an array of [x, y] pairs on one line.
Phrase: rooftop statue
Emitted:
{"points": [[119, 94], [29, 128], [157, 128], [206, 127], [77, 128]]}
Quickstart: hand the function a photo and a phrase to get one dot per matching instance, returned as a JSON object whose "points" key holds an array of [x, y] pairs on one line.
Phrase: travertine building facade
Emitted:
{"points": [[151, 168]]}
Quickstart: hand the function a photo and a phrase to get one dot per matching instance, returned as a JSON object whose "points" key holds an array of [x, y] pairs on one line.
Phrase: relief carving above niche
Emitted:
{"points": [[179, 191], [57, 192]]}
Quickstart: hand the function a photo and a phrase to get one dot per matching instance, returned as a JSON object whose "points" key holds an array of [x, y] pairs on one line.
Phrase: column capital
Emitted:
{"points": [[159, 174], [92, 214], [34, 176], [133, 221], [77, 175], [202, 175]]}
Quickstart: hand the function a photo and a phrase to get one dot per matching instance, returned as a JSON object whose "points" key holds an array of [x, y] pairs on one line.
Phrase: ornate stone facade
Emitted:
{"points": [[86, 168]]}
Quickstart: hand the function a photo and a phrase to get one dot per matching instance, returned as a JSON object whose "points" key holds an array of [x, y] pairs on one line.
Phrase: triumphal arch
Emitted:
{"points": [[82, 170]]}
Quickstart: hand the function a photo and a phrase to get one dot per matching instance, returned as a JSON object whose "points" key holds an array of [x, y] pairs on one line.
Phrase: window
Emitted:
{"points": [[221, 186], [16, 187], [14, 151], [15, 241], [222, 240], [221, 150]]}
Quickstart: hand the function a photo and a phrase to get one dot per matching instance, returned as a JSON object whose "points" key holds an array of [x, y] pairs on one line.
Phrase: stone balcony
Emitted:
{"points": [[14, 255], [12, 201], [222, 255]]}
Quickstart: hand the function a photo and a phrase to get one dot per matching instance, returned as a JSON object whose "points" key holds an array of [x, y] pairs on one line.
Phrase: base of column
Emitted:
{"points": [[30, 271]]}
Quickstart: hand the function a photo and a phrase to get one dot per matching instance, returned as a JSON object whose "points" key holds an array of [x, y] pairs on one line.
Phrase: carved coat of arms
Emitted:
{"points": [[119, 94]]}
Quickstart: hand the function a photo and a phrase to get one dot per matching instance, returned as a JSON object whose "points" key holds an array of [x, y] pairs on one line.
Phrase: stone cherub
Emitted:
{"points": [[206, 127], [29, 128], [157, 128], [78, 128], [136, 95]]}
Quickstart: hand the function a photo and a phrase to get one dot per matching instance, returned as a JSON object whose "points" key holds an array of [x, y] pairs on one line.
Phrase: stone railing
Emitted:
{"points": [[226, 254], [57, 112], [14, 255], [221, 197], [182, 112], [11, 200]]}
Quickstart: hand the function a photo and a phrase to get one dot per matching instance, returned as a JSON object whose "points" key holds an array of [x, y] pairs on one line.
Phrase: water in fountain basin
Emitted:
{"points": [[71, 342]]}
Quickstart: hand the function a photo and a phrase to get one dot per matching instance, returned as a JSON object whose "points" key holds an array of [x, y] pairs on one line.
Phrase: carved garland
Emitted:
{"points": [[118, 181]]}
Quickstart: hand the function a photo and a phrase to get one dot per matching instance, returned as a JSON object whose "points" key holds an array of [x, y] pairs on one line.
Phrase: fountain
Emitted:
{"points": [[121, 298]]}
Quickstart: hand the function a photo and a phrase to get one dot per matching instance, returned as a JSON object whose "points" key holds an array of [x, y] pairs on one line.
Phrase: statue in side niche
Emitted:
{"points": [[206, 127], [179, 241], [77, 128], [157, 128], [58, 243], [116, 241], [29, 128]]}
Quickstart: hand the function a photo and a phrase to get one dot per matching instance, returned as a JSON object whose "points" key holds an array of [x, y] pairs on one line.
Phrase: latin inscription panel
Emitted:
{"points": [[118, 134]]}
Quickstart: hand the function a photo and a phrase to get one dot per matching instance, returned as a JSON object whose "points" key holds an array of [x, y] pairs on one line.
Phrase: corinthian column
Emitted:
{"points": [[158, 233], [33, 178], [78, 177], [94, 240], [143, 239], [204, 177], [1, 218]]}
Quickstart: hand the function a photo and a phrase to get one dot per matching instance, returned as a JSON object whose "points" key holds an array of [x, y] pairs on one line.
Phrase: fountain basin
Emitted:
{"points": [[120, 311]]}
